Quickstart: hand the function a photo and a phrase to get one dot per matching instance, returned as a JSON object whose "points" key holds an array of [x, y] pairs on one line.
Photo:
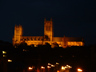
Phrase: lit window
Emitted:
{"points": [[4, 55], [57, 63], [42, 67], [60, 46], [9, 60], [52, 65], [4, 52], [49, 63], [63, 68], [79, 70], [48, 67], [30, 68]]}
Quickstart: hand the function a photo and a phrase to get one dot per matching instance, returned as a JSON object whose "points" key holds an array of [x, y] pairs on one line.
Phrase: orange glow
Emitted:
{"points": [[67, 66], [4, 52], [79, 70], [42, 67], [52, 65], [60, 46], [17, 34], [58, 71], [57, 63], [48, 67], [4, 55], [49, 63], [35, 46], [9, 60], [48, 37], [30, 68], [75, 43], [63, 68]]}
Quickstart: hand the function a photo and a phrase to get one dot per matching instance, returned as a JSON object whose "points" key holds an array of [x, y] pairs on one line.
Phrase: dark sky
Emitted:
{"points": [[72, 18]]}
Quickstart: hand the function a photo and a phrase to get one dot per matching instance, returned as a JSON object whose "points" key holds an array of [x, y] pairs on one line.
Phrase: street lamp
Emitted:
{"points": [[42, 67], [65, 68], [30, 68], [52, 65], [58, 71], [79, 70], [57, 63], [48, 67], [49, 63], [4, 53], [62, 68], [9, 60]]}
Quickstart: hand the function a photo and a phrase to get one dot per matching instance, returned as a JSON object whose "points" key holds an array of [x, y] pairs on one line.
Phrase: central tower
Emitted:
{"points": [[48, 30]]}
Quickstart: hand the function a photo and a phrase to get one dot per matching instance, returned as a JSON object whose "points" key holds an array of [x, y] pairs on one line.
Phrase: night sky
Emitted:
{"points": [[72, 18]]}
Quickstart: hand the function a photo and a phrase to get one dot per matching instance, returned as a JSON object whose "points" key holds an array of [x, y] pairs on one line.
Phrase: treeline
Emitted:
{"points": [[24, 56]]}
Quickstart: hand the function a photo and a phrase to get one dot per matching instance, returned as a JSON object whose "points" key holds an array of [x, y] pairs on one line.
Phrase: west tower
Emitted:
{"points": [[48, 30], [17, 34]]}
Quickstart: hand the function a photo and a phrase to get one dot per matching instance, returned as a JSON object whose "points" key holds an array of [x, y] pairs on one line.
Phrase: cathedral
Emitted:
{"points": [[48, 37]]}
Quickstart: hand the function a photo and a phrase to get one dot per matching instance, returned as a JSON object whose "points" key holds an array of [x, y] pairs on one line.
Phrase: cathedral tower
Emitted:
{"points": [[48, 30], [17, 34]]}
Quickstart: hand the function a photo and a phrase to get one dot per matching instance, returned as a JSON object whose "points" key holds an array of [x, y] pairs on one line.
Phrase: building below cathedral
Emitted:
{"points": [[47, 38]]}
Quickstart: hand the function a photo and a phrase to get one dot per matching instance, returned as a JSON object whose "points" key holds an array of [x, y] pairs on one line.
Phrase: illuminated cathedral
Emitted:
{"points": [[48, 37]]}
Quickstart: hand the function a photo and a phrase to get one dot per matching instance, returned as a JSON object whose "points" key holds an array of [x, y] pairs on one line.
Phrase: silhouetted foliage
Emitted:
{"points": [[24, 56]]}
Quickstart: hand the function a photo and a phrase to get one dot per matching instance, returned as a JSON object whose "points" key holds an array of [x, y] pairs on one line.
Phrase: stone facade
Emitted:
{"points": [[47, 38]]}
